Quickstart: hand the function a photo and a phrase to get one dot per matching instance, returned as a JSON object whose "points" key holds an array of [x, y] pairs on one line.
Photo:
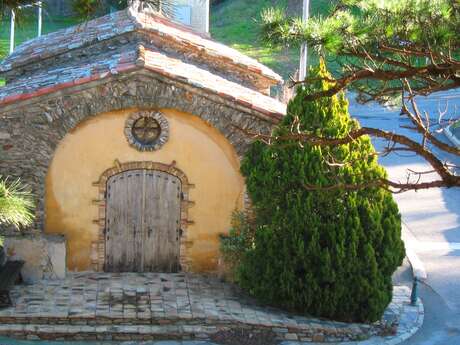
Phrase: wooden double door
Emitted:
{"points": [[142, 222]]}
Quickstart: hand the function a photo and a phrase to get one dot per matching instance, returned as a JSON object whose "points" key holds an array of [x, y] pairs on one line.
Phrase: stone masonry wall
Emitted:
{"points": [[44, 255], [30, 131]]}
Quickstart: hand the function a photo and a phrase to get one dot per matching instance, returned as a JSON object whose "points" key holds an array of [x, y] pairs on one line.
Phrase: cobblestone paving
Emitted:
{"points": [[138, 306], [139, 296]]}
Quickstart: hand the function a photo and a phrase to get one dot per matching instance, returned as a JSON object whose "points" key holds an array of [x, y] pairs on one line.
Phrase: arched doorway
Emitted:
{"points": [[142, 231], [199, 155]]}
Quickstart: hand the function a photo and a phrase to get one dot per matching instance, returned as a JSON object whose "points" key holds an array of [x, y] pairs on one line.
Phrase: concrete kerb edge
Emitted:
{"points": [[453, 139], [399, 338], [410, 242], [396, 339]]}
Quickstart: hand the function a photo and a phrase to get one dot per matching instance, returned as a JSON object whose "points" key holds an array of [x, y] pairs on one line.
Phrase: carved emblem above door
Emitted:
{"points": [[147, 130]]}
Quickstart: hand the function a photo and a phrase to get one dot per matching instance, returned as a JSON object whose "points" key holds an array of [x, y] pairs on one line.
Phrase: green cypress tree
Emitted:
{"points": [[327, 253]]}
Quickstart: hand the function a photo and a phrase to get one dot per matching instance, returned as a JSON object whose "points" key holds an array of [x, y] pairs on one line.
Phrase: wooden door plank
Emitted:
{"points": [[162, 214], [173, 190], [109, 226], [124, 212], [133, 214], [151, 215], [120, 224], [114, 217], [142, 221]]}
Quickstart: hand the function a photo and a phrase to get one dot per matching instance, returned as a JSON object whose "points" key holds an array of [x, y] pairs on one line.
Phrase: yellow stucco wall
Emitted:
{"points": [[201, 152]]}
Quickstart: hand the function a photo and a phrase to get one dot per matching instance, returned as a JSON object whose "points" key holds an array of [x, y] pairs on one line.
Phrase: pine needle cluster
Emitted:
{"points": [[16, 204]]}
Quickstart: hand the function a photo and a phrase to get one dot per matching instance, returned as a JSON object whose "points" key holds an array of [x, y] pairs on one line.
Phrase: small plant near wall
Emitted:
{"points": [[318, 251], [16, 207], [238, 241], [16, 204]]}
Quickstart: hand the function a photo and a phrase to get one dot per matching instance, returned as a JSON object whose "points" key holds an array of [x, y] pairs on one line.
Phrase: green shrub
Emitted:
{"points": [[327, 253], [238, 241]]}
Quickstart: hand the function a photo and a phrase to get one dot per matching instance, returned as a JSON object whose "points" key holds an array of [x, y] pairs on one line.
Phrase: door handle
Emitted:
{"points": [[149, 232]]}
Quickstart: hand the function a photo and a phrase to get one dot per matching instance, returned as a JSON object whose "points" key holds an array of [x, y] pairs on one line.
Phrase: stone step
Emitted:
{"points": [[113, 332], [97, 306], [143, 332], [65, 328]]}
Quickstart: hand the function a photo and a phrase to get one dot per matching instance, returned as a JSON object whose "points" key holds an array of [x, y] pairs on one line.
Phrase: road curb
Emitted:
{"points": [[418, 268], [453, 139], [410, 321]]}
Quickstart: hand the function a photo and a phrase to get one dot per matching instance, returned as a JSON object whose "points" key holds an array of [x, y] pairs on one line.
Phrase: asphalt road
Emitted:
{"points": [[431, 216]]}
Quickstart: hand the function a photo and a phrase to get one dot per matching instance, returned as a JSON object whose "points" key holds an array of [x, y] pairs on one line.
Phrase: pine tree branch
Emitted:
{"points": [[448, 179], [446, 72], [420, 127], [391, 186]]}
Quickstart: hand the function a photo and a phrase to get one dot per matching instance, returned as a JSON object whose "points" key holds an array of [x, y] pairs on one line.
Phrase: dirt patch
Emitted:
{"points": [[245, 337]]}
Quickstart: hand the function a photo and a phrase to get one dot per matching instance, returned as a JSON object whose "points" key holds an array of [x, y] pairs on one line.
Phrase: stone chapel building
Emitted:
{"points": [[127, 129]]}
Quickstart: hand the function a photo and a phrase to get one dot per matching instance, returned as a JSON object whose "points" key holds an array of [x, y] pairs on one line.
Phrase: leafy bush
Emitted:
{"points": [[239, 240], [86, 9], [323, 252]]}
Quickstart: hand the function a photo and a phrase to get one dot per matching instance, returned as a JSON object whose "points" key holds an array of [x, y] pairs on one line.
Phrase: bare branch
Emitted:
{"points": [[423, 129]]}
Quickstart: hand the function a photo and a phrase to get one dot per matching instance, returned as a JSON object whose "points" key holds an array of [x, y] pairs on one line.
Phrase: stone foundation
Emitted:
{"points": [[152, 306], [44, 256]]}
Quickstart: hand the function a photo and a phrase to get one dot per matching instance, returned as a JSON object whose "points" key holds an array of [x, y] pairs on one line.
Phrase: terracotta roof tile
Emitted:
{"points": [[62, 77], [122, 22]]}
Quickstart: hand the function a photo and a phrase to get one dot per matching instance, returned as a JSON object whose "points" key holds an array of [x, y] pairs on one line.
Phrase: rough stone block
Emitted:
{"points": [[44, 256], [291, 336], [5, 135]]}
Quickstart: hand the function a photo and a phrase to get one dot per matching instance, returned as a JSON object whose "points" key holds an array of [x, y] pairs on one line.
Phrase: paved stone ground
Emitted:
{"points": [[432, 216], [145, 306]]}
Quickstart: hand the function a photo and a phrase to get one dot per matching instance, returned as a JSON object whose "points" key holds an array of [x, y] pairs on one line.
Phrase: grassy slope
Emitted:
{"points": [[234, 22], [28, 30]]}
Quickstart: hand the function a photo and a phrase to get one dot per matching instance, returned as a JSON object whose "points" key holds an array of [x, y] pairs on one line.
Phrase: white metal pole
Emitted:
{"points": [[40, 18], [304, 49], [207, 16], [13, 19]]}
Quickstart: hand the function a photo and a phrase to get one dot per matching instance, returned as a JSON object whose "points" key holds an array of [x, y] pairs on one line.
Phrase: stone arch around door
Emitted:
{"points": [[98, 257]]}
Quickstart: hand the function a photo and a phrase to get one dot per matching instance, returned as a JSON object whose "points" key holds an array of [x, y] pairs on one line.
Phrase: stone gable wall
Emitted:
{"points": [[31, 131]]}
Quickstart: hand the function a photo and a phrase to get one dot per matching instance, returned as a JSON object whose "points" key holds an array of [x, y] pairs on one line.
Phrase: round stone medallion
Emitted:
{"points": [[147, 130]]}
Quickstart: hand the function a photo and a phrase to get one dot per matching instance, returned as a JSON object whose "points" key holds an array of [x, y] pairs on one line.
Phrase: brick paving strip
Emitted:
{"points": [[155, 306]]}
